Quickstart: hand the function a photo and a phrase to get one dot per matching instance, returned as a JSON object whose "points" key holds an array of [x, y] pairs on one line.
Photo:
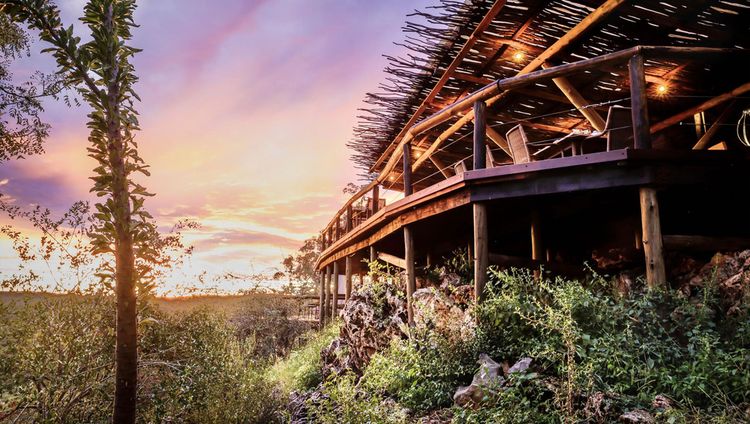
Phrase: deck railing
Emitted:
{"points": [[366, 203]]}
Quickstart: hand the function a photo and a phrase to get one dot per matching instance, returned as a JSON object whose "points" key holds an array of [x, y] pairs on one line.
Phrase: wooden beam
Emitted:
{"points": [[499, 141], [652, 240], [481, 249], [443, 168], [577, 100], [639, 104], [411, 278], [393, 260], [705, 243], [569, 37], [468, 45], [480, 133], [472, 78], [703, 142], [742, 89], [348, 271]]}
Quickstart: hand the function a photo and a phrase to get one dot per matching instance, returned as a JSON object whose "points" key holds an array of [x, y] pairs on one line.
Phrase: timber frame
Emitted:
{"points": [[503, 69]]}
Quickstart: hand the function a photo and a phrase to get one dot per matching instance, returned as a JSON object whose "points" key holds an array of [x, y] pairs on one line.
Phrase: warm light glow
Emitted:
{"points": [[418, 154], [518, 56], [662, 89]]}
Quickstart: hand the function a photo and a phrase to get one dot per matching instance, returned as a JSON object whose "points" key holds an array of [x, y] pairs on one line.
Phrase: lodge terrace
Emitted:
{"points": [[545, 133]]}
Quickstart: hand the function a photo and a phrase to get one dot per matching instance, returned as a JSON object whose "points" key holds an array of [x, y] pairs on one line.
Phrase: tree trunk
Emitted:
{"points": [[126, 330]]}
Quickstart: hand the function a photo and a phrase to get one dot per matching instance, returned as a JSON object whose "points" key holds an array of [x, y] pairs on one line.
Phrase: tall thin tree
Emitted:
{"points": [[100, 70]]}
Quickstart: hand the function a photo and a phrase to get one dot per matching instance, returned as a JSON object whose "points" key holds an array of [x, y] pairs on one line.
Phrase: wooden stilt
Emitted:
{"points": [[327, 295], [348, 271], [411, 280], [335, 291], [322, 299], [537, 252], [428, 260], [652, 240], [481, 250]]}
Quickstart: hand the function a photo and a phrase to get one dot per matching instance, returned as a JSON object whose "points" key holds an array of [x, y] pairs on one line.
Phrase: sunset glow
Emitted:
{"points": [[246, 109]]}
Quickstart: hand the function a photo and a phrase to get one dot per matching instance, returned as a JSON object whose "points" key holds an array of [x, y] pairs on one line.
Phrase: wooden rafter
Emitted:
{"points": [[577, 100], [688, 113]]}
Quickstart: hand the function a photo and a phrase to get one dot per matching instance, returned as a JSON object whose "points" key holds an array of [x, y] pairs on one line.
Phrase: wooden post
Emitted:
{"points": [[322, 300], [407, 169], [537, 253], [375, 198], [327, 307], [337, 223], [481, 250], [480, 131], [411, 280], [652, 240], [335, 291], [348, 271], [639, 104], [373, 258]]}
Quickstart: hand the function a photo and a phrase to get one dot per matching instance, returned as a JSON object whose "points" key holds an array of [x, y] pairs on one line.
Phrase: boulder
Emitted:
{"points": [[730, 272], [486, 381], [442, 313], [637, 416], [371, 319], [521, 366]]}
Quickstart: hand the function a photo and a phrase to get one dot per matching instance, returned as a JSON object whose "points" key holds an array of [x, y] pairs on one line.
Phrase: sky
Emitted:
{"points": [[246, 109]]}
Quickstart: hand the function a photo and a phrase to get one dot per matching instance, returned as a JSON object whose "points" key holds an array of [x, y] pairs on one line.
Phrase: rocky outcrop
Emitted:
{"points": [[487, 380]]}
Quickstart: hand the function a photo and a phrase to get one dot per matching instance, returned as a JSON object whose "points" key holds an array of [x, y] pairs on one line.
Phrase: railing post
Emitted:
{"points": [[375, 198], [337, 223], [407, 169], [480, 132], [349, 218], [639, 104], [326, 289]]}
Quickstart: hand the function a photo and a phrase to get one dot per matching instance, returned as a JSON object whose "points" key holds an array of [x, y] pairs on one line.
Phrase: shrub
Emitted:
{"points": [[301, 370], [343, 402]]}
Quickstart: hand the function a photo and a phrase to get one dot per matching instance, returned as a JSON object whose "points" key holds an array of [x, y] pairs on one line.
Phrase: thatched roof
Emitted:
{"points": [[516, 32]]}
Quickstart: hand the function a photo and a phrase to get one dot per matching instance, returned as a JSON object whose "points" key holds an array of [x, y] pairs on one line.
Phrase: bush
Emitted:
{"points": [[56, 365], [301, 371]]}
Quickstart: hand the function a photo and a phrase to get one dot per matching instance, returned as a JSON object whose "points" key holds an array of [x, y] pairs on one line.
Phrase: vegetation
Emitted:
{"points": [[597, 354]]}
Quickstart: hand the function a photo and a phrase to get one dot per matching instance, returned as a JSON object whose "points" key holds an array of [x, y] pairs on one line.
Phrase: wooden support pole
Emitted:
{"points": [[407, 169], [375, 198], [639, 104], [652, 240], [537, 252], [335, 291], [411, 279], [321, 299], [499, 140], [481, 250], [373, 258], [577, 100], [705, 140], [480, 133], [338, 226], [327, 290], [348, 271], [443, 168]]}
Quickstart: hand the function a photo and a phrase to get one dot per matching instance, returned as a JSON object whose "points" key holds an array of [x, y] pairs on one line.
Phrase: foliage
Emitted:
{"points": [[22, 131], [56, 365], [300, 267], [301, 370]]}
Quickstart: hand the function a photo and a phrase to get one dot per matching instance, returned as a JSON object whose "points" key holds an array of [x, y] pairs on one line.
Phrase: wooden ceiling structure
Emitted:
{"points": [[556, 67]]}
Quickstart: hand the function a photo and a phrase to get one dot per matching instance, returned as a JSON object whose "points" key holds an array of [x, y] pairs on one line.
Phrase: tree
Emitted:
{"points": [[22, 131], [300, 267], [101, 72]]}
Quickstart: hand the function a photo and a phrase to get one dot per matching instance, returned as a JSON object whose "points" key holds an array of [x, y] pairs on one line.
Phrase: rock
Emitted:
{"points": [[522, 365], [299, 403], [486, 381], [662, 402], [440, 312], [637, 416], [730, 272], [371, 319]]}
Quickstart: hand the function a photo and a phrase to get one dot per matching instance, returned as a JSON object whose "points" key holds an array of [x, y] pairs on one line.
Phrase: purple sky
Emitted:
{"points": [[247, 106]]}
